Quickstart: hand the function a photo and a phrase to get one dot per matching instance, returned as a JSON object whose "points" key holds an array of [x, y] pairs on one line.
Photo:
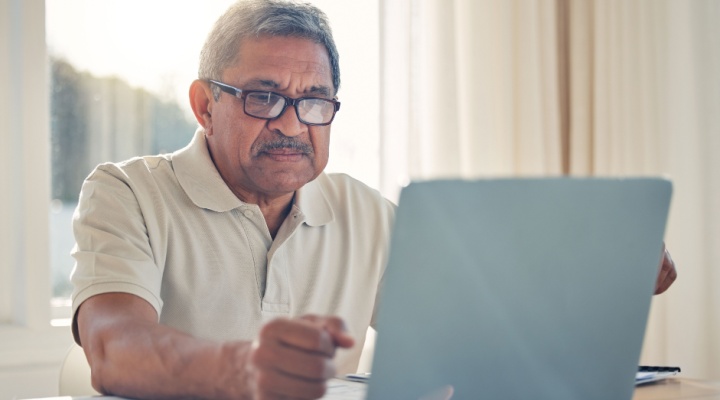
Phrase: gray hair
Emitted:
{"points": [[258, 18]]}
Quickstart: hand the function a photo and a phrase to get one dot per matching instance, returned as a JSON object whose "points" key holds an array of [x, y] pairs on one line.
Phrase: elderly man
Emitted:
{"points": [[235, 268]]}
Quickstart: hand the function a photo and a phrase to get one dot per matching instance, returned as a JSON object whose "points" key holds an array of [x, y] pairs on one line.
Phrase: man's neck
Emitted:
{"points": [[275, 214], [274, 209]]}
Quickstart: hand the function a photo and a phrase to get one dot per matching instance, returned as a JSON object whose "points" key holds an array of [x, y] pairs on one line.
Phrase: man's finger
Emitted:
{"points": [[336, 327], [294, 361], [272, 384], [299, 333]]}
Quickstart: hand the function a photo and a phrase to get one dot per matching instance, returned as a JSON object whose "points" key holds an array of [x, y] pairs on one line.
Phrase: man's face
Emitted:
{"points": [[267, 158]]}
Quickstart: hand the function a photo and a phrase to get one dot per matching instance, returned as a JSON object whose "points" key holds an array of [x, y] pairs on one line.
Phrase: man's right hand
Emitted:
{"points": [[293, 358]]}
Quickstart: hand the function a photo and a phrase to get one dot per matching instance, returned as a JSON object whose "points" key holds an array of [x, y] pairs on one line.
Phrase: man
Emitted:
{"points": [[235, 268]]}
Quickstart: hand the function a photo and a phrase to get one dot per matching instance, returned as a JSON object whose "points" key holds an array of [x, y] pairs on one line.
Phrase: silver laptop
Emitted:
{"points": [[519, 289]]}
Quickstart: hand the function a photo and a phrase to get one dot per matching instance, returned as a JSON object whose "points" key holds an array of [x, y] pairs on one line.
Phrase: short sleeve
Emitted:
{"points": [[112, 251]]}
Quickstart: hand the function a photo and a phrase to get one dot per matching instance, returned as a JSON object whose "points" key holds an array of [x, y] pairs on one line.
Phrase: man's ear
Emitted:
{"points": [[201, 102]]}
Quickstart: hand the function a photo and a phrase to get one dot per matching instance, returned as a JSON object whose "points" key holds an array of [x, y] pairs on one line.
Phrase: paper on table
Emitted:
{"points": [[342, 389], [647, 374]]}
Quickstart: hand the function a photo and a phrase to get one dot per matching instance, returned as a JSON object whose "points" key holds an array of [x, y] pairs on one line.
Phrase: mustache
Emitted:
{"points": [[284, 143]]}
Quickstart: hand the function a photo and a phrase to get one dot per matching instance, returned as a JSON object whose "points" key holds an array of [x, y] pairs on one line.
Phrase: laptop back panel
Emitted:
{"points": [[519, 288]]}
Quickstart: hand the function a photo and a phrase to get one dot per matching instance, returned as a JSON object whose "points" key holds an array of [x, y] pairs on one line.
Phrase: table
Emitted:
{"points": [[679, 389], [667, 389]]}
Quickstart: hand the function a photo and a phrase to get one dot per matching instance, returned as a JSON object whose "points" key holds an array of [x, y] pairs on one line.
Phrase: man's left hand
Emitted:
{"points": [[667, 274]]}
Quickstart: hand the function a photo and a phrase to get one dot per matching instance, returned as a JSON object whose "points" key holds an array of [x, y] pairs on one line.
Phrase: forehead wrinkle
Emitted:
{"points": [[261, 84], [269, 84], [273, 64]]}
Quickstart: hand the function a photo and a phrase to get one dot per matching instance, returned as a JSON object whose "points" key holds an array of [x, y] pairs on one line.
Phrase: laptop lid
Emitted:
{"points": [[519, 288]]}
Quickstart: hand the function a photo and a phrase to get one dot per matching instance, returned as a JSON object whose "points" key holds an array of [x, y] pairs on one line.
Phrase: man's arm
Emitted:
{"points": [[132, 355]]}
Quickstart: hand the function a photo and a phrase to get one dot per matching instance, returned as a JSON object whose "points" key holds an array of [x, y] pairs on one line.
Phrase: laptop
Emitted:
{"points": [[518, 288]]}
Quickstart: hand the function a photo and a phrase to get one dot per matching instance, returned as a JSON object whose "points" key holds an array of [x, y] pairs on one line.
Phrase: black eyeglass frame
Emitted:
{"points": [[289, 101]]}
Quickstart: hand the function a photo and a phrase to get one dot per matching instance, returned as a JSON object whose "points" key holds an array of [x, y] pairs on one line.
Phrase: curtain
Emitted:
{"points": [[474, 88], [470, 88], [648, 94]]}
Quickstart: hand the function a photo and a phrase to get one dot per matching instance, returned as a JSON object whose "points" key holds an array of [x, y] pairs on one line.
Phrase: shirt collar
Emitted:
{"points": [[311, 200], [201, 181]]}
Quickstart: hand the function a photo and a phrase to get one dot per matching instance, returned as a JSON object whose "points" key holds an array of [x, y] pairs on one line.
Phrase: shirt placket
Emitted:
{"points": [[276, 301]]}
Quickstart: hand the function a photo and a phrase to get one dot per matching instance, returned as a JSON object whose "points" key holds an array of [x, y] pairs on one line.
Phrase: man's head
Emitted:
{"points": [[259, 52], [265, 18]]}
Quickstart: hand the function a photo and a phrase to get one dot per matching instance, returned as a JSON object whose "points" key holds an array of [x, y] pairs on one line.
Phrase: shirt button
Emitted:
{"points": [[248, 213]]}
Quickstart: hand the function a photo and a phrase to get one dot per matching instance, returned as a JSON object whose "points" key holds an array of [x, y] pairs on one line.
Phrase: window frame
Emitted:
{"points": [[26, 335]]}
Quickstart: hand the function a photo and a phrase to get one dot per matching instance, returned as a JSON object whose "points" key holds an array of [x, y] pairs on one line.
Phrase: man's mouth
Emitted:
{"points": [[283, 151], [284, 154]]}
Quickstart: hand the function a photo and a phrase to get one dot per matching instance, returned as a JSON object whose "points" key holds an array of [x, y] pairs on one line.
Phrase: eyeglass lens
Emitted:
{"points": [[269, 105]]}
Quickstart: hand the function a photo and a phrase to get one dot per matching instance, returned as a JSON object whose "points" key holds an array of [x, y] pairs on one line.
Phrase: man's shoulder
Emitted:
{"points": [[146, 174], [137, 166], [149, 163]]}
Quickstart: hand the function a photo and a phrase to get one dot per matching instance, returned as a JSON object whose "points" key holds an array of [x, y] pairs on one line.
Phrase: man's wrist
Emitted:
{"points": [[232, 375]]}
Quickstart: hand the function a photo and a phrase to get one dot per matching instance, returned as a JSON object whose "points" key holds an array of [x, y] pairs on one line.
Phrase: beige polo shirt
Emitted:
{"points": [[167, 228]]}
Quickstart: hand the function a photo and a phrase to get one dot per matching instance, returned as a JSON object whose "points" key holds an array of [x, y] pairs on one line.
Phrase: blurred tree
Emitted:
{"points": [[96, 120]]}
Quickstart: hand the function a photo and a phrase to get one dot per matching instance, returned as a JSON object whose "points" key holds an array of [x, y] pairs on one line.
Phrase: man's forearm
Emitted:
{"points": [[140, 360], [131, 355]]}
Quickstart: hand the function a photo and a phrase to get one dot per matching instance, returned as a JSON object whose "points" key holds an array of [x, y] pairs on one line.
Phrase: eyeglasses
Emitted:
{"points": [[270, 105]]}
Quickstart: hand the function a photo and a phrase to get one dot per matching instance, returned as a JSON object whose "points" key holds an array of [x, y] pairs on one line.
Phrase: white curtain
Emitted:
{"points": [[545, 87], [470, 88], [652, 106]]}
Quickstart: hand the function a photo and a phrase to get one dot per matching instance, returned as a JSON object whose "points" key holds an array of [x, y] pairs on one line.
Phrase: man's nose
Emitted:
{"points": [[288, 123]]}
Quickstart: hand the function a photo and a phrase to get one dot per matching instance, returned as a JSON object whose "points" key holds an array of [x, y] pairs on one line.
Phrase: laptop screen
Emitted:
{"points": [[519, 288]]}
